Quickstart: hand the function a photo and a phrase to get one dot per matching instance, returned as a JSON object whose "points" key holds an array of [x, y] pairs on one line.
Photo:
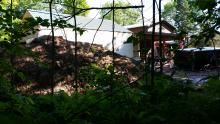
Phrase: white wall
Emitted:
{"points": [[157, 29], [126, 50], [102, 37], [29, 38]]}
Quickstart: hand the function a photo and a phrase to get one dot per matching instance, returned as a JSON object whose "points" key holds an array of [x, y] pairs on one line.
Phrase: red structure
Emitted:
{"points": [[168, 36]]}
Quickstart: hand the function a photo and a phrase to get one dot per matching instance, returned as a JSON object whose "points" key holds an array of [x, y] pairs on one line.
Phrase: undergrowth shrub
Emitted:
{"points": [[173, 102]]}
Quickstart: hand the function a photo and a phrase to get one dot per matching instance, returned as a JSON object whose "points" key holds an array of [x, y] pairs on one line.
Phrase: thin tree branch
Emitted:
{"points": [[103, 17], [12, 45], [152, 46], [113, 45], [144, 40], [113, 34], [53, 48], [62, 27], [91, 19], [76, 59], [110, 8], [160, 39]]}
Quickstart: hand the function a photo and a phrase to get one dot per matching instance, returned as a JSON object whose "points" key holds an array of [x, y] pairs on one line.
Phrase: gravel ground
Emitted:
{"points": [[198, 77]]}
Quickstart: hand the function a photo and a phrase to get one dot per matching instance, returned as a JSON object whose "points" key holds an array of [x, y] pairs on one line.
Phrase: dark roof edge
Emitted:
{"points": [[166, 24]]}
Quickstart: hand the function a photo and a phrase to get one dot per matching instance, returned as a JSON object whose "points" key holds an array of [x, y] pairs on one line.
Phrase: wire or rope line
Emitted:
{"points": [[91, 19], [128, 2], [81, 10], [149, 19], [157, 4], [70, 50], [146, 8], [116, 7], [139, 9], [61, 18], [67, 42], [102, 8], [103, 17]]}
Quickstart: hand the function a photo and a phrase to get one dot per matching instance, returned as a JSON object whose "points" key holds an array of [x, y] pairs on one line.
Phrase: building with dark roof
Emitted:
{"points": [[97, 31], [169, 37]]}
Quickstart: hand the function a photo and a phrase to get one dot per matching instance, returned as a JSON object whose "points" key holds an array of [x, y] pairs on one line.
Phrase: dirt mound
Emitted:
{"points": [[39, 73]]}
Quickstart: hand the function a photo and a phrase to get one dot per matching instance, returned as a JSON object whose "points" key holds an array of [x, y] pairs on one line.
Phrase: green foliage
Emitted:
{"points": [[122, 16], [169, 12], [198, 19], [66, 6], [12, 30], [169, 102], [22, 5], [207, 17], [178, 13], [182, 20], [109, 99], [80, 4], [101, 78]]}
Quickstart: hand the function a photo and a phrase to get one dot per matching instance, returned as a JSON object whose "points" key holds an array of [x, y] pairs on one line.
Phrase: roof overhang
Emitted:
{"points": [[164, 36], [82, 22], [164, 23]]}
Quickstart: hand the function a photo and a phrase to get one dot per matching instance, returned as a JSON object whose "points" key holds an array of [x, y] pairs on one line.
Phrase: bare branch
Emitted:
{"points": [[53, 48], [98, 29], [76, 60], [110, 8]]}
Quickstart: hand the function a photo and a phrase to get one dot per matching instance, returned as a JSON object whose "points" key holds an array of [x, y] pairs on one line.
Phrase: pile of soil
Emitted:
{"points": [[39, 72]]}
